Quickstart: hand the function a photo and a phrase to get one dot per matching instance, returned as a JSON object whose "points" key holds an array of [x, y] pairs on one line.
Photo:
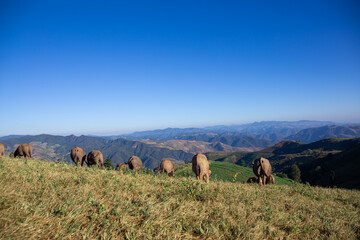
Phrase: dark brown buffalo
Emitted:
{"points": [[95, 157], [262, 169], [2, 150], [78, 155], [134, 163], [23, 150]]}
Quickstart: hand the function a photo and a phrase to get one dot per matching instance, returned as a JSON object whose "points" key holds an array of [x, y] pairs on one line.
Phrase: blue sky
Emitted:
{"points": [[109, 67]]}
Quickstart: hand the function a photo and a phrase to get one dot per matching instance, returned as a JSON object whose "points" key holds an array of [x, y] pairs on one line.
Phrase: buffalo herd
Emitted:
{"points": [[200, 164]]}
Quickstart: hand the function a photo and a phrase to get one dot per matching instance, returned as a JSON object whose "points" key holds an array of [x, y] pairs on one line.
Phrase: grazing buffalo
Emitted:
{"points": [[95, 157], [200, 166], [262, 169], [121, 166], [23, 150], [167, 167], [135, 163], [78, 155], [2, 150]]}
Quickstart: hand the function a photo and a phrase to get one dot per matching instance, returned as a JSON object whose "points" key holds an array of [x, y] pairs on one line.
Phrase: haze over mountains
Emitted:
{"points": [[269, 130], [254, 135]]}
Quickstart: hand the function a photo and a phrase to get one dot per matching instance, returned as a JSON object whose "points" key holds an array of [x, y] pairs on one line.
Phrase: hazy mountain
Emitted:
{"points": [[12, 136], [269, 130], [272, 130], [315, 134], [163, 134], [119, 150], [196, 146], [228, 138]]}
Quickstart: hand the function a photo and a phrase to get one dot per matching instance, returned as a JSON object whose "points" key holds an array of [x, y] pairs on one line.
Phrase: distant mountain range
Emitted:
{"points": [[268, 130], [196, 146], [314, 134], [12, 136], [254, 135]]}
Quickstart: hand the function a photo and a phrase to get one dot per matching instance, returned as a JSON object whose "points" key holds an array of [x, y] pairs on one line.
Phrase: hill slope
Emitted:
{"points": [[44, 200], [227, 172], [195, 146], [341, 169], [308, 157]]}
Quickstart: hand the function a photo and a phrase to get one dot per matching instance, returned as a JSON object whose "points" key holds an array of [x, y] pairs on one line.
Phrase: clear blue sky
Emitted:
{"points": [[108, 67]]}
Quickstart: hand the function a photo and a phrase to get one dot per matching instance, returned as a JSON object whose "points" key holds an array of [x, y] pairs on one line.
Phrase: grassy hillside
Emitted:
{"points": [[47, 200], [221, 171], [241, 158]]}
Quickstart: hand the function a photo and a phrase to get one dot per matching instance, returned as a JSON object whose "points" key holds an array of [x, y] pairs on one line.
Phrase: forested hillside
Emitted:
{"points": [[328, 162]]}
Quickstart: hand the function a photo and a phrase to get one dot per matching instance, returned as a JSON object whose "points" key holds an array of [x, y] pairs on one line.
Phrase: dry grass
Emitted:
{"points": [[43, 200]]}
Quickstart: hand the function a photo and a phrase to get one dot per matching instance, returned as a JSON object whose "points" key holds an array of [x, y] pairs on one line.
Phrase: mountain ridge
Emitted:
{"points": [[314, 134], [270, 130]]}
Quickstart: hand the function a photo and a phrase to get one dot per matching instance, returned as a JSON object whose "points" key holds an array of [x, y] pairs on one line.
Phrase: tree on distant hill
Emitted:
{"points": [[295, 173], [108, 164]]}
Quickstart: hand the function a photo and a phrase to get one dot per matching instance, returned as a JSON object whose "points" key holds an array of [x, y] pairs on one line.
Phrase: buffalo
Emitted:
{"points": [[262, 169], [2, 150], [121, 166], [135, 163], [23, 150], [167, 167], [200, 166], [95, 157], [78, 155]]}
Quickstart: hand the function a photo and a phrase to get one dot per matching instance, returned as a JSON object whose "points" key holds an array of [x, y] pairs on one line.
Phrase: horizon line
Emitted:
{"points": [[99, 134]]}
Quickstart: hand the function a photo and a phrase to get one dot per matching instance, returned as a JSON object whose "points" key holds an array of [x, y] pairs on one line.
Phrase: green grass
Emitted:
{"points": [[236, 157], [228, 172], [44, 200]]}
